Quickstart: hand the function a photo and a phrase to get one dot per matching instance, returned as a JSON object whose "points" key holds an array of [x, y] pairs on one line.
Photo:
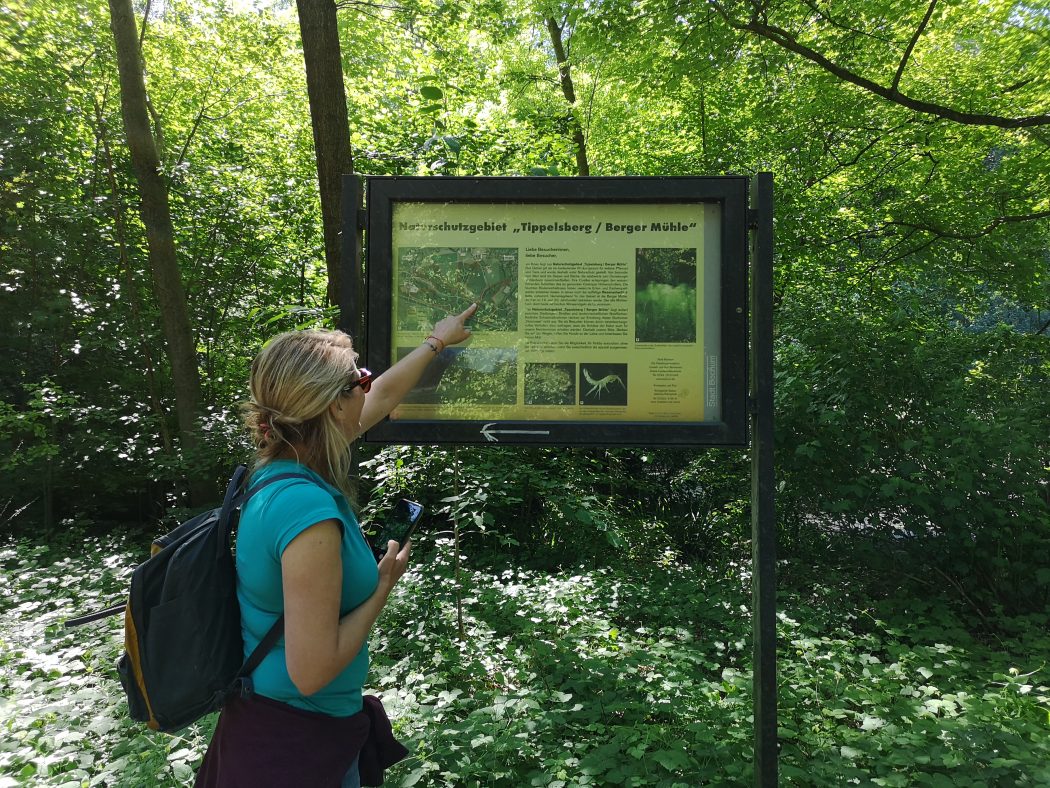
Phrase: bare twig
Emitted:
{"points": [[381, 6], [456, 536], [962, 592], [360, 8], [825, 14], [193, 130]]}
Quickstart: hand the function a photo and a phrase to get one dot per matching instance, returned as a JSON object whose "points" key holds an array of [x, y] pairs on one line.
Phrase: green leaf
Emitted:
{"points": [[672, 760], [872, 723], [431, 93], [413, 777]]}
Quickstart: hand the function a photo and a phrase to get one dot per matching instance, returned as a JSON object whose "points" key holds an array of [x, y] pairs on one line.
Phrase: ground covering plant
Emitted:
{"points": [[550, 384], [633, 671], [665, 295]]}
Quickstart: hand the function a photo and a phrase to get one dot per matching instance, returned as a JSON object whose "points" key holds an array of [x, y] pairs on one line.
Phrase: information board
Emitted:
{"points": [[611, 311]]}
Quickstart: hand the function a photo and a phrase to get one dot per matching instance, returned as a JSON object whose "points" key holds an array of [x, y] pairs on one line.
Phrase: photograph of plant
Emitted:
{"points": [[665, 295], [603, 384], [433, 282], [550, 384], [478, 376]]}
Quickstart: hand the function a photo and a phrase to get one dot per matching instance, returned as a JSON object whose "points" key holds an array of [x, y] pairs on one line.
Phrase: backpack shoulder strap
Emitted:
{"points": [[243, 682], [268, 641]]}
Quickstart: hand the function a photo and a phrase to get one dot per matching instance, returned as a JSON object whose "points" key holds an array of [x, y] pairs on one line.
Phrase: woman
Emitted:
{"points": [[300, 551]]}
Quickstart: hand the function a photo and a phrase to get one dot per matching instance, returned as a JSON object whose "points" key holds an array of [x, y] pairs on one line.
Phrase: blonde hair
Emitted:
{"points": [[294, 380]]}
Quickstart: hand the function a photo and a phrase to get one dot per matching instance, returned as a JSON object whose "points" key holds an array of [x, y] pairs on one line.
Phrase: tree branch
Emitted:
{"points": [[1019, 85], [358, 3], [202, 115], [158, 131], [360, 8], [789, 42], [826, 14], [145, 19], [988, 229], [842, 165], [911, 45], [590, 100], [569, 91], [189, 137]]}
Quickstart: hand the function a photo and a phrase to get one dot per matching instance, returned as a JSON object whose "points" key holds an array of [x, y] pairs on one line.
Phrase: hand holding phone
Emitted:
{"points": [[399, 526]]}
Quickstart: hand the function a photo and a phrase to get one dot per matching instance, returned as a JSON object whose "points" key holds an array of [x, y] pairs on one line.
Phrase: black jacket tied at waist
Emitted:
{"points": [[263, 743]]}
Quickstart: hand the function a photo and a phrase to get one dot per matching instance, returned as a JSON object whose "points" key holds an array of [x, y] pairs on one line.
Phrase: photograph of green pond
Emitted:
{"points": [[665, 295]]}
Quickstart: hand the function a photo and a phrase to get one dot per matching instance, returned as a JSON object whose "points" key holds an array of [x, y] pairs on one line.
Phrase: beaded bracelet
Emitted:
{"points": [[428, 343]]}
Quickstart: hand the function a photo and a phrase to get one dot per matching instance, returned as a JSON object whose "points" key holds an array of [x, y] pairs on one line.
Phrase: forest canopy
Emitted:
{"points": [[909, 149]]}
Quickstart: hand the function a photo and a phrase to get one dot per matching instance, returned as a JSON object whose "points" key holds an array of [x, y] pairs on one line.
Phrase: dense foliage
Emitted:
{"points": [[912, 247]]}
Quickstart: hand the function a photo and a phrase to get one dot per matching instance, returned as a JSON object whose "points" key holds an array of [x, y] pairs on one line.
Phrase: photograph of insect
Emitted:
{"points": [[603, 384]]}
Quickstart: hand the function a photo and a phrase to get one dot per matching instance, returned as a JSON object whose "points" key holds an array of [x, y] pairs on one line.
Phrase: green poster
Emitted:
{"points": [[587, 312]]}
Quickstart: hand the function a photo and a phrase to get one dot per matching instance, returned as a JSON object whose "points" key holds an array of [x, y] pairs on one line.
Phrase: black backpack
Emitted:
{"points": [[183, 654]]}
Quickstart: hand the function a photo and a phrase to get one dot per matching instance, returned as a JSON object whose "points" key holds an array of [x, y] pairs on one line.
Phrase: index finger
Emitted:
{"points": [[389, 555], [470, 310]]}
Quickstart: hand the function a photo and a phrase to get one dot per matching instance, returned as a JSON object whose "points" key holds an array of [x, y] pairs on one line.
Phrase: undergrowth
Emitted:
{"points": [[635, 673]]}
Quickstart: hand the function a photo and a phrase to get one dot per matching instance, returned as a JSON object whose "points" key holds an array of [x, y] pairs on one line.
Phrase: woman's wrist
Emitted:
{"points": [[434, 343]]}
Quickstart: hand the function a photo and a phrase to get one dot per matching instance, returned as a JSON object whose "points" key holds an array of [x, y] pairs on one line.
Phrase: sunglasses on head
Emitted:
{"points": [[363, 379]]}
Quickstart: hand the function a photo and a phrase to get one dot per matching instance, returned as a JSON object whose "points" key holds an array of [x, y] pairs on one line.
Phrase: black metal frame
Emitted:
{"points": [[730, 192]]}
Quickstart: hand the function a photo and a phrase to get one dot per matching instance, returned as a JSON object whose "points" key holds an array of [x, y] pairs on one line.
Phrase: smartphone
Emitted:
{"points": [[399, 526]]}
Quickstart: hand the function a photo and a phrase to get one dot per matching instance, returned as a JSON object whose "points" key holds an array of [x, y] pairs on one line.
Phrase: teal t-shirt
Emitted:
{"points": [[270, 520]]}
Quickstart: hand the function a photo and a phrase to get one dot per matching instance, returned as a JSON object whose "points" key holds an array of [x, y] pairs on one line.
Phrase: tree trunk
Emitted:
{"points": [[160, 238], [324, 84], [582, 166], [137, 327]]}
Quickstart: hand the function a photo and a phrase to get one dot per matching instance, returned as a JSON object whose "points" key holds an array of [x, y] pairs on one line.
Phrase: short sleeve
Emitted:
{"points": [[295, 506]]}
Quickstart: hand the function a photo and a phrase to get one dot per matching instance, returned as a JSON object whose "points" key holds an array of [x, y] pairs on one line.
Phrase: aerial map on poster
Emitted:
{"points": [[602, 311]]}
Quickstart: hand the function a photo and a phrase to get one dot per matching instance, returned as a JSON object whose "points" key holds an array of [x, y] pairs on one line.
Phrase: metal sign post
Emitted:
{"points": [[352, 311], [351, 302], [763, 515]]}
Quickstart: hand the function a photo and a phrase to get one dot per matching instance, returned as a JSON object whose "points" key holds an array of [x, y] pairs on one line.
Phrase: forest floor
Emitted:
{"points": [[626, 674]]}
